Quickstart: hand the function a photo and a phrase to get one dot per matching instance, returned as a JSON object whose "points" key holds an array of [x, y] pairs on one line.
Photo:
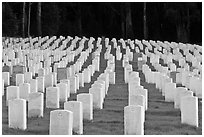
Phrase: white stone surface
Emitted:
{"points": [[61, 122], [19, 79], [170, 90], [33, 85], [48, 80], [140, 91], [24, 90], [52, 97], [77, 108], [180, 92], [73, 88], [189, 110], [62, 91], [6, 78], [12, 92], [87, 101], [133, 120], [41, 84], [35, 104], [97, 98], [27, 77], [17, 114], [66, 81], [81, 79]]}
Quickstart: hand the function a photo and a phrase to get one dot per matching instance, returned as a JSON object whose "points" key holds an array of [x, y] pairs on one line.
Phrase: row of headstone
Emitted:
{"points": [[178, 95]]}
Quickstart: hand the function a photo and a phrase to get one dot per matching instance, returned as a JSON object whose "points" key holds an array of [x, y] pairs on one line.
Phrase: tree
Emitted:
{"points": [[9, 21], [179, 14], [23, 20], [145, 21], [128, 20], [39, 19], [29, 10]]}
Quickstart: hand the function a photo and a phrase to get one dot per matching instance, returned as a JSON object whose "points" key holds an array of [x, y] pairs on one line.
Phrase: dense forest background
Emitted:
{"points": [[179, 22]]}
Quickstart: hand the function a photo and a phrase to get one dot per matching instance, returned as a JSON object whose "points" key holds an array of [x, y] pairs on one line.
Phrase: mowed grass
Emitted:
{"points": [[160, 119]]}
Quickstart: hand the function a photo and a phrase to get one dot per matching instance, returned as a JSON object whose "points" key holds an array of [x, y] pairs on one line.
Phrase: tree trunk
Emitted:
{"points": [[39, 19], [188, 24], [122, 20], [79, 22], [129, 30], [29, 10], [23, 21], [145, 21], [182, 35]]}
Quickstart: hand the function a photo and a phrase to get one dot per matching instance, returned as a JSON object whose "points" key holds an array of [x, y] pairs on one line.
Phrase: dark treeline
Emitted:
{"points": [[180, 22]]}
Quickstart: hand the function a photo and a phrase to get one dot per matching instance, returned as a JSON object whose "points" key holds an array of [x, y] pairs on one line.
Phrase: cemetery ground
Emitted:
{"points": [[160, 119]]}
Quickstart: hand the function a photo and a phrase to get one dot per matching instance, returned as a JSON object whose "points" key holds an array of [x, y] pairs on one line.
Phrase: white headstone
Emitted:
{"points": [[77, 108], [41, 72], [73, 84], [6, 78], [66, 81], [170, 90], [35, 104], [61, 122], [41, 84], [17, 114], [62, 91], [24, 90], [52, 97], [48, 80], [19, 79], [33, 85], [87, 101], [81, 79], [133, 120], [189, 110], [27, 77], [97, 98], [12, 92]]}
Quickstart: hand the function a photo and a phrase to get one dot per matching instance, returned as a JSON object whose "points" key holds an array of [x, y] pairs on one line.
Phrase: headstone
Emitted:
{"points": [[27, 77], [35, 104], [81, 79], [18, 69], [87, 101], [19, 79], [17, 114], [77, 108], [52, 97], [2, 87], [6, 78], [72, 84], [6, 69], [97, 98], [24, 90], [41, 72], [48, 80], [33, 85], [181, 92], [62, 73], [133, 120], [62, 92], [66, 81], [61, 122], [87, 76], [170, 90], [41, 84], [173, 76], [140, 91], [189, 110], [12, 92]]}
